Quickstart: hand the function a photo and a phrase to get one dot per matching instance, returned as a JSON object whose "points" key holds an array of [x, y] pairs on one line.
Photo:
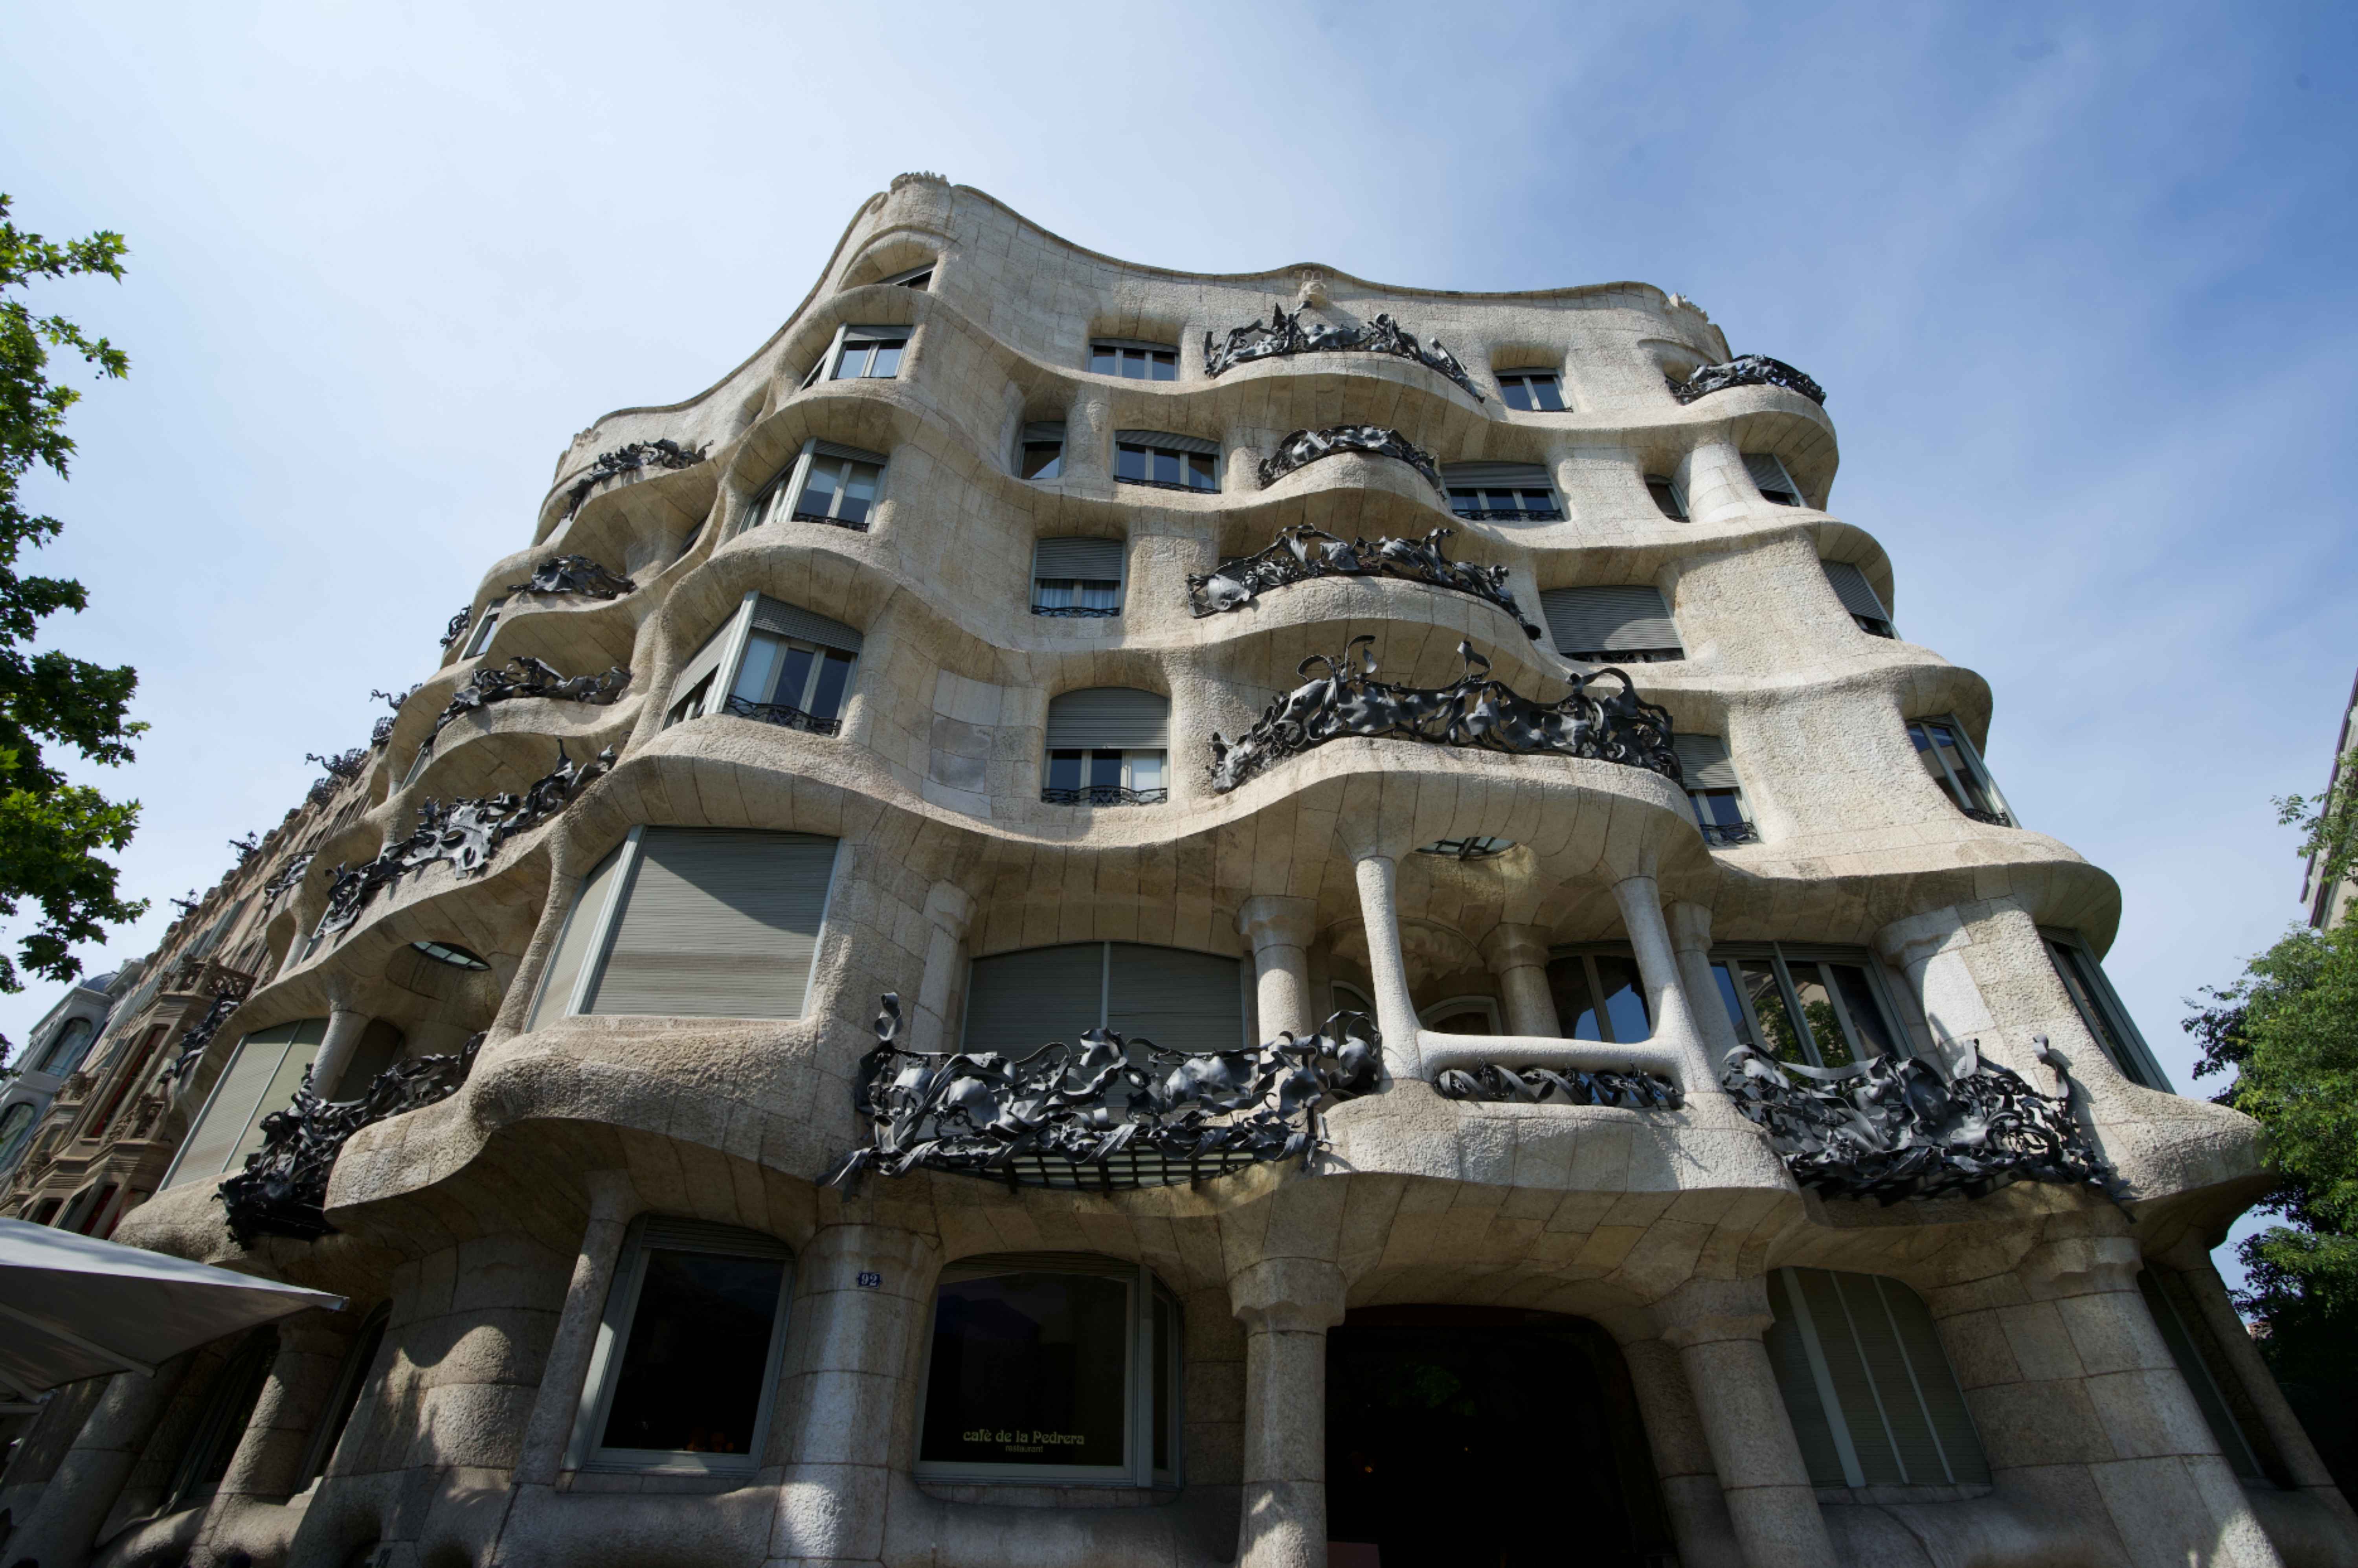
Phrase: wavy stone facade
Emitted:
{"points": [[865, 749]]}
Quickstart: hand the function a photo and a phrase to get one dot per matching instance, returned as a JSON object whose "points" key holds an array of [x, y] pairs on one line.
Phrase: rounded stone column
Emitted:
{"points": [[269, 1458], [1379, 878], [1715, 1326], [1718, 490], [1666, 993], [948, 909], [1278, 928], [1518, 956], [1286, 1304], [59, 1531], [345, 1028], [1682, 1461]]}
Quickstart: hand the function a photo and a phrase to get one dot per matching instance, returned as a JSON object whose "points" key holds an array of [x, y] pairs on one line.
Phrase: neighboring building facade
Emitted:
{"points": [[991, 641], [57, 1047], [2329, 904]]}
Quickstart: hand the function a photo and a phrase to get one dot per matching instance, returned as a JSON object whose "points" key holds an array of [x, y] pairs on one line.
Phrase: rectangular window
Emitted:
{"points": [[1133, 361], [1077, 577], [1817, 1007], [1949, 757], [1858, 596], [920, 279], [1628, 624], [1533, 391], [789, 681], [1105, 778], [870, 352], [1599, 996], [1040, 453], [1771, 479], [1049, 1367], [1106, 746], [484, 628], [1714, 790], [687, 1357], [2101, 1010], [1668, 499], [1869, 1389], [261, 1076], [1501, 492], [1164, 460], [1179, 998], [840, 490]]}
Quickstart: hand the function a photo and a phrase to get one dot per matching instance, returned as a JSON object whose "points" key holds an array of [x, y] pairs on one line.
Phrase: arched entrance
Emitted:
{"points": [[1469, 1437]]}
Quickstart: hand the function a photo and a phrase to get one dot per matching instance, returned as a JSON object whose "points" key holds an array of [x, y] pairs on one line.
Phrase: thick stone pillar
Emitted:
{"points": [[1518, 954], [1718, 490], [1658, 967], [843, 1383], [1715, 1326], [269, 1458], [1379, 877], [613, 1203], [1088, 440], [345, 1028], [59, 1531], [948, 909], [1286, 1304], [1690, 926], [1683, 1462], [1280, 928]]}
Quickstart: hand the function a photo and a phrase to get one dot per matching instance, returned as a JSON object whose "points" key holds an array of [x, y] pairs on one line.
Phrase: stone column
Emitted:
{"points": [[1286, 1304], [345, 1028], [2193, 1260], [1718, 490], [1715, 1326], [269, 1458], [613, 1202], [1682, 1461], [59, 1530], [1691, 942], [1278, 929], [948, 909], [1518, 954], [1379, 877], [1658, 967], [1088, 440], [842, 1388]]}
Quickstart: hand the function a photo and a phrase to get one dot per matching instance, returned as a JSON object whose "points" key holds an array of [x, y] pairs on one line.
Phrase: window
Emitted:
{"points": [[1462, 1015], [2100, 1009], [775, 661], [230, 1400], [917, 277], [1858, 596], [1950, 758], [1501, 492], [16, 1132], [2187, 1337], [1599, 995], [65, 1053], [351, 1379], [1179, 998], [1769, 477], [1621, 624], [687, 1358], [450, 952], [870, 352], [1872, 1398], [484, 628], [694, 923], [1077, 577], [1668, 499], [261, 1076], [1818, 1007], [1714, 790], [1164, 460], [1533, 391], [1133, 361], [827, 482], [1052, 1366], [1106, 746], [1040, 450], [1480, 847]]}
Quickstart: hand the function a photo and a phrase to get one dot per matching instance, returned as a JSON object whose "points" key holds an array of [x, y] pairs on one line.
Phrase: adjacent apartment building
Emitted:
{"points": [[1099, 916]]}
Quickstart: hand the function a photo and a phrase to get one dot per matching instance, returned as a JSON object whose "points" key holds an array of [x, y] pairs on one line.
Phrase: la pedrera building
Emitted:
{"points": [[1093, 915]]}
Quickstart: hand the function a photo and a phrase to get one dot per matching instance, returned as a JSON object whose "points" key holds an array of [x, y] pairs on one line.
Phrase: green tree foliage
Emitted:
{"points": [[51, 832]]}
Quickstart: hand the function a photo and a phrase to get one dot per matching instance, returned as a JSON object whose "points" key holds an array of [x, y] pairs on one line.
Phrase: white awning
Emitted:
{"points": [[74, 1307]]}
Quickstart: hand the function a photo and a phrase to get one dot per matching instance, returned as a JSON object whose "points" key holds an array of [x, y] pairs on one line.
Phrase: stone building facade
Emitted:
{"points": [[1624, 1085]]}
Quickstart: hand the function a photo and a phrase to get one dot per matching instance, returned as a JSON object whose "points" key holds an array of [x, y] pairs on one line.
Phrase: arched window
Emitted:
{"points": [[66, 1052], [1868, 1388], [1049, 1367], [16, 1132]]}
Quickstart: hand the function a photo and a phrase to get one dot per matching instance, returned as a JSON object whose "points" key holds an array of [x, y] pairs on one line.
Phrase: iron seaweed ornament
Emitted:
{"points": [[530, 677], [633, 460], [1110, 1112], [466, 833], [1285, 334], [574, 574], [1307, 447], [1745, 369], [1344, 698], [1303, 552], [1632, 1090], [283, 1190], [1893, 1127]]}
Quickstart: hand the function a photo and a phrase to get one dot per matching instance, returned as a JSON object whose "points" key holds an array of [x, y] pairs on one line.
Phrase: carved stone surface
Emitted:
{"points": [[1286, 333], [530, 677], [1546, 1086], [1745, 369], [1899, 1127], [1304, 446], [574, 574], [1107, 1113], [284, 1187], [1303, 552], [635, 461], [466, 833], [458, 624], [1343, 698]]}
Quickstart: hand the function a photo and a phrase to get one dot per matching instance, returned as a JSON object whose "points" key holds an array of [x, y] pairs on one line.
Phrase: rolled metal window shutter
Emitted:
{"points": [[1043, 431], [1703, 759], [1497, 476], [717, 924], [1899, 1410], [1594, 620], [1017, 1002], [1768, 471], [230, 1109], [580, 925], [792, 620], [707, 660], [703, 1235], [1853, 1382], [1788, 1356], [995, 1263], [1182, 1001], [1164, 440], [1944, 1401], [1858, 595], [1145, 343], [1095, 560], [857, 454], [1910, 1432], [1114, 717], [876, 334]]}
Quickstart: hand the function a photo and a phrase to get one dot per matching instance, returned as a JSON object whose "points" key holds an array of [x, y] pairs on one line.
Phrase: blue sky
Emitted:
{"points": [[2077, 281]]}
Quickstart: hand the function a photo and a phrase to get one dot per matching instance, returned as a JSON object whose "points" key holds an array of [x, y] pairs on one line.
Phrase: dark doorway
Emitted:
{"points": [[1487, 1438]]}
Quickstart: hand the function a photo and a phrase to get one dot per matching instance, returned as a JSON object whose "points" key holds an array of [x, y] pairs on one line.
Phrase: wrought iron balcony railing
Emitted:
{"points": [[784, 715], [1994, 819], [858, 525], [1720, 834], [1077, 611], [1508, 514], [1104, 795], [1165, 485]]}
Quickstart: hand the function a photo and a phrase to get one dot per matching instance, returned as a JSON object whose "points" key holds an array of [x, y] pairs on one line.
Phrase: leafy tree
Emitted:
{"points": [[51, 831]]}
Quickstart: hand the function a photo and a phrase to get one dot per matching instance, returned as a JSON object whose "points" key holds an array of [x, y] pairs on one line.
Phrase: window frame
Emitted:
{"points": [[1120, 581], [1248, 1021], [1997, 814], [1152, 355], [1587, 954], [1781, 956], [481, 635], [2144, 1070], [344, 1400], [1130, 792], [586, 1453], [1525, 379], [51, 1062], [920, 279], [1025, 444], [1473, 1002], [1143, 1289], [718, 687], [871, 341], [1801, 497], [1188, 461], [1676, 511]]}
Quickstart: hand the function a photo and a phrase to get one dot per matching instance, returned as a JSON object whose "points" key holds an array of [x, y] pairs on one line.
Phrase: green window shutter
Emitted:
{"points": [[262, 1077], [1497, 476], [1788, 1355], [717, 924], [1165, 441]]}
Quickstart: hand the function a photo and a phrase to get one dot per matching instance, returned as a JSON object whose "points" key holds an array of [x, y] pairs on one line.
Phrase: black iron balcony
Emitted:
{"points": [[784, 715], [1077, 611], [857, 525], [1994, 819], [1508, 514], [1720, 834], [1103, 794]]}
